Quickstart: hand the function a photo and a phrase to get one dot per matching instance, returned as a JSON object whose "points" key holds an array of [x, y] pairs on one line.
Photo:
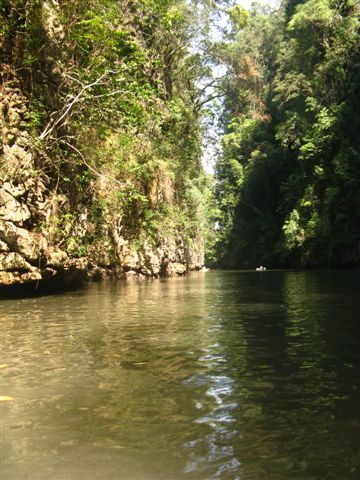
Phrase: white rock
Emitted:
{"points": [[13, 261], [11, 209], [29, 244]]}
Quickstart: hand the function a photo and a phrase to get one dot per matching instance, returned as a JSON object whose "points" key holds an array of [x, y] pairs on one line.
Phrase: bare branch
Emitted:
{"points": [[127, 92], [66, 109], [207, 100]]}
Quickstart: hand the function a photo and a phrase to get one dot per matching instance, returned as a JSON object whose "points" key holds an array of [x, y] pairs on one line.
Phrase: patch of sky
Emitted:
{"points": [[209, 85]]}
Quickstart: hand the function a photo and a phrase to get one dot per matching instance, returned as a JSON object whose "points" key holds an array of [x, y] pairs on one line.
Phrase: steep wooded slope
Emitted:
{"points": [[100, 142]]}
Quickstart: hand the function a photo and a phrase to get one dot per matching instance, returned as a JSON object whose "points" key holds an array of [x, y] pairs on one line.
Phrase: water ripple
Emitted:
{"points": [[224, 376]]}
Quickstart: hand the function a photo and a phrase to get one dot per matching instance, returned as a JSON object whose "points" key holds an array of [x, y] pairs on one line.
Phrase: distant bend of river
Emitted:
{"points": [[217, 375]]}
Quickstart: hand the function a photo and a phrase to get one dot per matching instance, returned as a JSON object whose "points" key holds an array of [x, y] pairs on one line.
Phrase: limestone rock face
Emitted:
{"points": [[17, 278], [29, 244], [171, 258], [13, 261], [11, 209], [131, 260], [174, 268], [42, 233], [151, 259], [54, 28], [4, 247], [55, 257]]}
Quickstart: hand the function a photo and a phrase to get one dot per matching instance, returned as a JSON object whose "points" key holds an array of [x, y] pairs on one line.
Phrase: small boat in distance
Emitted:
{"points": [[260, 269]]}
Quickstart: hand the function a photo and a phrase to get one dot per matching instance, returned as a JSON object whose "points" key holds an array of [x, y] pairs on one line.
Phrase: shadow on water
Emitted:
{"points": [[57, 285]]}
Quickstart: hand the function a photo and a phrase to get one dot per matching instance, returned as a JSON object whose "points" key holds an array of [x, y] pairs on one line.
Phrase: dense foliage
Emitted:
{"points": [[113, 103], [288, 179], [117, 91]]}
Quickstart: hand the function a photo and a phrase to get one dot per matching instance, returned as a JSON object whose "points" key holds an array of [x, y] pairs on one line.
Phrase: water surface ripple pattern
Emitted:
{"points": [[215, 376]]}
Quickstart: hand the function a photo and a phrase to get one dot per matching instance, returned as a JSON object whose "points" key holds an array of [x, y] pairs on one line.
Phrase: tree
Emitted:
{"points": [[291, 90]]}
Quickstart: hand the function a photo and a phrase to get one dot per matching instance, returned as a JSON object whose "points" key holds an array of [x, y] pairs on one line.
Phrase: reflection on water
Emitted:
{"points": [[223, 375]]}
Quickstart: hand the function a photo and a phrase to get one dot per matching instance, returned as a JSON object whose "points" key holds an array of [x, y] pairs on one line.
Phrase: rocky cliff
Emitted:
{"points": [[100, 171], [44, 235]]}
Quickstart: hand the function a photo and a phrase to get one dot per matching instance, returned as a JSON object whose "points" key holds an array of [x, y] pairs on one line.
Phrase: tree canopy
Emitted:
{"points": [[288, 178], [124, 90]]}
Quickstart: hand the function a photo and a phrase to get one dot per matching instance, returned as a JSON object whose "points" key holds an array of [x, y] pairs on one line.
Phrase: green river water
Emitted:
{"points": [[217, 375]]}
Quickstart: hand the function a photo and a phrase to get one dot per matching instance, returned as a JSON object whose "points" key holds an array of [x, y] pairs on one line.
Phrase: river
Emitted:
{"points": [[217, 375]]}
